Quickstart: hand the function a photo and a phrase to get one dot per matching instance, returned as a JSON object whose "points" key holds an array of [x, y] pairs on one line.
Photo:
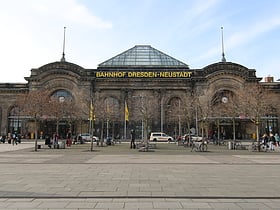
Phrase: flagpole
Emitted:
{"points": [[223, 50], [126, 118], [124, 129], [91, 125], [63, 51]]}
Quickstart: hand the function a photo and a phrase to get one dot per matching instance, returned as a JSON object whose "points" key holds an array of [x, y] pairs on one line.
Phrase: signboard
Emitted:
{"points": [[143, 74]]}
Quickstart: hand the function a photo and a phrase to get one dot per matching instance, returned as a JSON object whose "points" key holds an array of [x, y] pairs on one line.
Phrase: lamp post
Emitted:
{"points": [[179, 118], [257, 122], [161, 115], [107, 121]]}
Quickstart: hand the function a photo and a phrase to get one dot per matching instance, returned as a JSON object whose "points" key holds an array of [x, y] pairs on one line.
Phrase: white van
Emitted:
{"points": [[159, 136]]}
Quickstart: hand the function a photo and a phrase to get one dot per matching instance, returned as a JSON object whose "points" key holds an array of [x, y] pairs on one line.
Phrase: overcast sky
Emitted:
{"points": [[96, 30]]}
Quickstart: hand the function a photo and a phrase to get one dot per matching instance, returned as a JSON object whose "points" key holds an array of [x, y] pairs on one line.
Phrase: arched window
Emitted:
{"points": [[62, 95], [14, 120], [112, 108]]}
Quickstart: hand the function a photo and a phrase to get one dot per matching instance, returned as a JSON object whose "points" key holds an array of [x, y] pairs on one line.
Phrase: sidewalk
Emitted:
{"points": [[116, 177], [10, 147]]}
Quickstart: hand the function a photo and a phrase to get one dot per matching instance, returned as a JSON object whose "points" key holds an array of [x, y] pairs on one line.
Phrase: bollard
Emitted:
{"points": [[229, 145]]}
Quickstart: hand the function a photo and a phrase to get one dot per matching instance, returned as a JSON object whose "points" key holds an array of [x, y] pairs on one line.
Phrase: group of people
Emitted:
{"points": [[11, 138], [54, 140], [271, 141]]}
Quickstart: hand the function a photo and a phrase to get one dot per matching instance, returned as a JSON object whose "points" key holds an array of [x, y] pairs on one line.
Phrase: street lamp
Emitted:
{"points": [[161, 115], [179, 118]]}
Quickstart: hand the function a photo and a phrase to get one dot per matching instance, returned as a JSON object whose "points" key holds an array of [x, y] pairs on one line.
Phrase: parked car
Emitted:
{"points": [[193, 137], [159, 136], [86, 137]]}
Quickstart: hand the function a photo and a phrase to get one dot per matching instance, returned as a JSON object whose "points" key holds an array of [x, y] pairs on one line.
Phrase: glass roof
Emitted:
{"points": [[143, 55]]}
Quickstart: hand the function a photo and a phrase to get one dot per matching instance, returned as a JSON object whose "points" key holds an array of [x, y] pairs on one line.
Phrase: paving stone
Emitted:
{"points": [[119, 178]]}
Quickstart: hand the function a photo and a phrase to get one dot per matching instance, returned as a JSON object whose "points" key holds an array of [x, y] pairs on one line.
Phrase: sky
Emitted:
{"points": [[32, 32]]}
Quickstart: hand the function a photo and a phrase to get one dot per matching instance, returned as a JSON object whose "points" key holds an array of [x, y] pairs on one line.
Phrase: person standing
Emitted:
{"points": [[69, 140], [55, 140], [132, 142]]}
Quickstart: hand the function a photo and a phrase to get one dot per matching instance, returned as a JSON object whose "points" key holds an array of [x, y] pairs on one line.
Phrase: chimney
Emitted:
{"points": [[269, 79]]}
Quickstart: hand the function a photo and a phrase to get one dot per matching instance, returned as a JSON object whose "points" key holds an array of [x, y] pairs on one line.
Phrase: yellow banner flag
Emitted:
{"points": [[126, 112], [91, 114]]}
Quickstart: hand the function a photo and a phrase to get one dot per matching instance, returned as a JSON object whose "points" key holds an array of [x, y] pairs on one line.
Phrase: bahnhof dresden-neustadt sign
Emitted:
{"points": [[143, 74]]}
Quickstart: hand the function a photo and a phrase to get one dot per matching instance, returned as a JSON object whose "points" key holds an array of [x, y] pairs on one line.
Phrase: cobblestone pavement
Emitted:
{"points": [[117, 177]]}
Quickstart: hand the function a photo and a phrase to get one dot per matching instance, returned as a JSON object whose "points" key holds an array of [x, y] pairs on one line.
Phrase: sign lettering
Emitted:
{"points": [[143, 74]]}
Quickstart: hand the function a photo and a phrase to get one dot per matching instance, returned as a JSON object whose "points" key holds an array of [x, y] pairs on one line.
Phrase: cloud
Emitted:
{"points": [[68, 11], [244, 36], [33, 31], [200, 8], [251, 32]]}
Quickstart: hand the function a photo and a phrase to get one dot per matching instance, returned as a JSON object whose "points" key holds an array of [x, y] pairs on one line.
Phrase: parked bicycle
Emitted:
{"points": [[199, 146], [238, 146], [254, 147]]}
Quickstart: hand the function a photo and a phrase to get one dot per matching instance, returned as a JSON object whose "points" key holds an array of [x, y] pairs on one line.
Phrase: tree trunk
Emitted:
{"points": [[146, 140], [102, 134], [36, 137], [258, 137]]}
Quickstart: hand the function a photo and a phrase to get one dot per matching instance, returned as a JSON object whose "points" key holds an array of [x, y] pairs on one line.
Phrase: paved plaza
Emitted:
{"points": [[169, 177]]}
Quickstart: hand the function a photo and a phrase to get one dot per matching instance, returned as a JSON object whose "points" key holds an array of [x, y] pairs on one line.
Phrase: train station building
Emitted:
{"points": [[137, 89]]}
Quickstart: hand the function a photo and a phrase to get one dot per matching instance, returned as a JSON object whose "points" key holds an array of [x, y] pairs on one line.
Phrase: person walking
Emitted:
{"points": [[14, 139], [277, 139], [271, 141], [132, 142]]}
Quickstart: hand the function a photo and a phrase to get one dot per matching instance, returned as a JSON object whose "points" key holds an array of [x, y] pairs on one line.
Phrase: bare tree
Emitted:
{"points": [[226, 106], [62, 109], [145, 110], [254, 104], [108, 113], [189, 111], [38, 104], [205, 110], [182, 113], [33, 105]]}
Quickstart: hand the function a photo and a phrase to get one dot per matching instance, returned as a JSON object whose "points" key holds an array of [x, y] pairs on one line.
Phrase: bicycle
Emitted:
{"points": [[238, 146], [254, 147], [199, 146]]}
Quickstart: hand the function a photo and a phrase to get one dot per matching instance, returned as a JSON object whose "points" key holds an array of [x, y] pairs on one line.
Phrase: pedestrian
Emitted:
{"points": [[277, 139], [48, 141], [265, 140], [271, 141], [132, 142], [215, 138], [69, 141], [55, 140], [14, 139]]}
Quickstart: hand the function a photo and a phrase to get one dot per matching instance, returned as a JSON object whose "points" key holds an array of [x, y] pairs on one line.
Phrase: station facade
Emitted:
{"points": [[139, 88]]}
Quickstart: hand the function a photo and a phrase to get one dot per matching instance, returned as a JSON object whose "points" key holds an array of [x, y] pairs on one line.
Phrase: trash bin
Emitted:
{"points": [[229, 145], [39, 146]]}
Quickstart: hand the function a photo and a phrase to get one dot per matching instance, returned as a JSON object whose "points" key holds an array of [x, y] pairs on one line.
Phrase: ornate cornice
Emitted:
{"points": [[229, 68]]}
